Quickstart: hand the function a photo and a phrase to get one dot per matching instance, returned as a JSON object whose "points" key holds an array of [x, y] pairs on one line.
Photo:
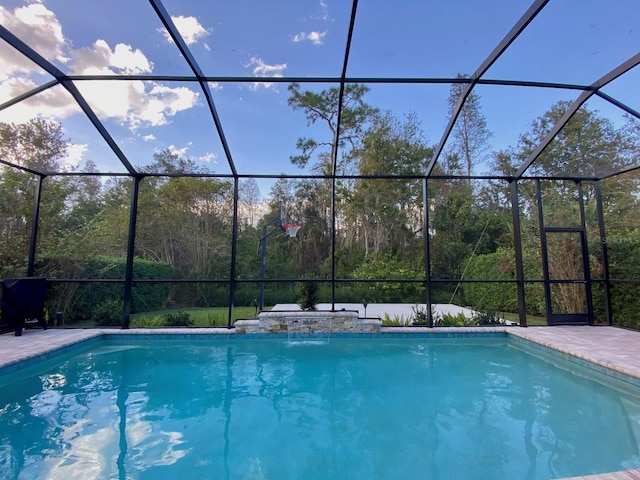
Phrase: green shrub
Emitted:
{"points": [[178, 319], [488, 318], [216, 319], [307, 293], [384, 265], [503, 297], [395, 321], [107, 313], [421, 315], [144, 321], [458, 320], [86, 296], [624, 263]]}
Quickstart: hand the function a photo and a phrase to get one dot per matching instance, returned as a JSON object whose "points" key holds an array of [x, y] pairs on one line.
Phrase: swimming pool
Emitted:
{"points": [[472, 408]]}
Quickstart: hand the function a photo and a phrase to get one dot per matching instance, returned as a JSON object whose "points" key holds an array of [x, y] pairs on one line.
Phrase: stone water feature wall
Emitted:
{"points": [[343, 321]]}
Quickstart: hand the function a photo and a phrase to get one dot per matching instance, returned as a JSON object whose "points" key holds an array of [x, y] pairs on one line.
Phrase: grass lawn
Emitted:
{"points": [[202, 317]]}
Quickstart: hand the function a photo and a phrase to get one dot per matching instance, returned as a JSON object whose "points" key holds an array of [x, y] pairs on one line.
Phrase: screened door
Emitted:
{"points": [[567, 292]]}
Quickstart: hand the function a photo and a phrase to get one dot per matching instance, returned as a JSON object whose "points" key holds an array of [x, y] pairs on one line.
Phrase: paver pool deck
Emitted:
{"points": [[614, 348]]}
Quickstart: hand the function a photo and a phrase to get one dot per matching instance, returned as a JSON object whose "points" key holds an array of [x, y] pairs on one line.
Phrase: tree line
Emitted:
{"points": [[184, 223]]}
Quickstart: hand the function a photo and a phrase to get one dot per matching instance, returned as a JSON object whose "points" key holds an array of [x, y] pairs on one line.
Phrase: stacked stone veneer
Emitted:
{"points": [[343, 321]]}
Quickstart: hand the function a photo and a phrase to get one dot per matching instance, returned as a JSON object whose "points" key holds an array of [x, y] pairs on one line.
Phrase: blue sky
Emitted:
{"points": [[575, 41]]}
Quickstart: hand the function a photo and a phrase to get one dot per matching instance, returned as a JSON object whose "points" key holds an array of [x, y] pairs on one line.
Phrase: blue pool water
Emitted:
{"points": [[354, 408]]}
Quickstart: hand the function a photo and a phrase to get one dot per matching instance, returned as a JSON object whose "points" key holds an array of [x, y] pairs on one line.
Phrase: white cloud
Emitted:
{"points": [[75, 154], [322, 14], [149, 138], [325, 10], [209, 158], [116, 100], [54, 103], [134, 103], [99, 58], [38, 27], [131, 103], [171, 100], [313, 37], [129, 60], [190, 29], [184, 152], [11, 87], [180, 152], [261, 69]]}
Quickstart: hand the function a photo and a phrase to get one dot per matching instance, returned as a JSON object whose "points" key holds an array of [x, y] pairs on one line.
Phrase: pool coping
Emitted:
{"points": [[39, 345], [609, 350]]}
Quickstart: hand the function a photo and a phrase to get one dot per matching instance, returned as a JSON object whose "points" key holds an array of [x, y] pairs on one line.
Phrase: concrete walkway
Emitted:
{"points": [[378, 310]]}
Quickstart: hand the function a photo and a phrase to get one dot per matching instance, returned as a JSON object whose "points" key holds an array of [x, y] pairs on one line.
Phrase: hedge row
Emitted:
{"points": [[83, 301], [624, 263]]}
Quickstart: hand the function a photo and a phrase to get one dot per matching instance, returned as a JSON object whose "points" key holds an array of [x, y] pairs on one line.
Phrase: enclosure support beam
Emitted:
{"points": [[168, 23], [585, 255], [333, 244], [517, 244], [263, 254], [605, 254], [543, 251], [336, 140], [509, 38], [618, 104], [61, 78], [427, 248], [128, 274], [622, 171], [234, 241], [335, 147], [574, 107], [35, 222]]}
